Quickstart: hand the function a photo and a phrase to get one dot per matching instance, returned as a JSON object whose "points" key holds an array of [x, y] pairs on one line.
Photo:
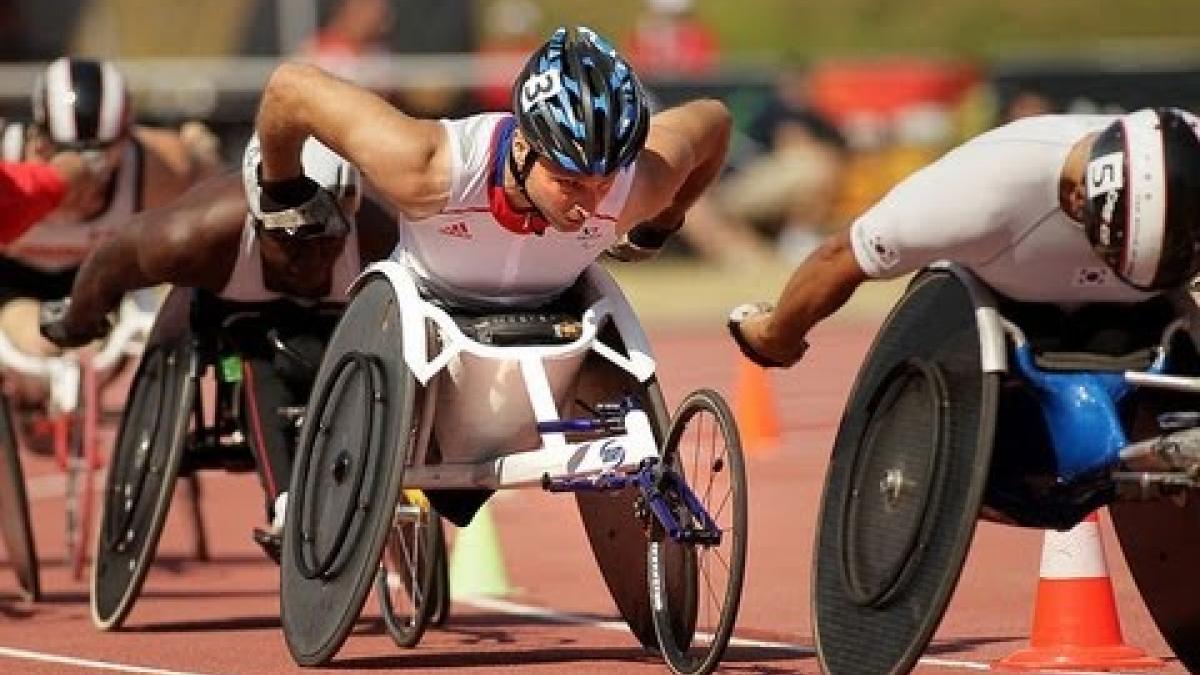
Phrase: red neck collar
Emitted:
{"points": [[502, 209]]}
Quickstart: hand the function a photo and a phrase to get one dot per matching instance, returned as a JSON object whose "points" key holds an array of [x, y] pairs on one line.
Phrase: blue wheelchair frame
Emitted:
{"points": [[1080, 410], [1081, 407], [653, 479]]}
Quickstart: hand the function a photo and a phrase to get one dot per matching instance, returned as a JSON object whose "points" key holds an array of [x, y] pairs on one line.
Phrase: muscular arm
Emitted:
{"points": [[377, 232], [684, 152], [170, 166], [401, 155], [818, 288], [189, 243]]}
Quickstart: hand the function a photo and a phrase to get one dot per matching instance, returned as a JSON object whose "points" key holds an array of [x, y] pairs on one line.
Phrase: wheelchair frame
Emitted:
{"points": [[620, 450]]}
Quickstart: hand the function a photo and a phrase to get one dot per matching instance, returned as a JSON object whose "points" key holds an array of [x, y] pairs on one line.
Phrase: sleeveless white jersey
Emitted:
{"points": [[991, 205], [472, 255], [56, 243], [246, 282]]}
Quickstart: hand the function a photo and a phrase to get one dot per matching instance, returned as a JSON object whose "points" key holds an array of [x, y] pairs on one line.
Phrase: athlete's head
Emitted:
{"points": [[82, 105], [582, 116], [1142, 188], [298, 250]]}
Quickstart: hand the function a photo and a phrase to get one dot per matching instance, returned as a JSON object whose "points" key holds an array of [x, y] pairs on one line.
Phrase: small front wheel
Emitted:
{"points": [[703, 448], [407, 579]]}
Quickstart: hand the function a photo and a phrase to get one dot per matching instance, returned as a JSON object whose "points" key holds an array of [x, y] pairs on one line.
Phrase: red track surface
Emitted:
{"points": [[222, 615]]}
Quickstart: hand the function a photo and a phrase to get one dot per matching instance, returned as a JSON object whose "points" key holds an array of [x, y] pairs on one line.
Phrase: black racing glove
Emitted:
{"points": [[281, 195], [734, 324], [52, 322], [642, 242]]}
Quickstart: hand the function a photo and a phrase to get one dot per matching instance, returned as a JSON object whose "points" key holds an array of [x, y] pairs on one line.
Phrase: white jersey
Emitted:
{"points": [[58, 243], [246, 283], [477, 251], [992, 206]]}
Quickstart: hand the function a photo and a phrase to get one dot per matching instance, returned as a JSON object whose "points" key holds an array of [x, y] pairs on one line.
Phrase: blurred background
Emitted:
{"points": [[834, 101]]}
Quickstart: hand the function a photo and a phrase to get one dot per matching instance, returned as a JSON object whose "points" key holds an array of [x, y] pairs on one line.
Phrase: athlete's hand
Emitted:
{"points": [[52, 321], [642, 242], [747, 326]]}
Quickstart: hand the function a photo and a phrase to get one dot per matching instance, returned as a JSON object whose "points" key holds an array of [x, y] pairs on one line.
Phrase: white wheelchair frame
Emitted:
{"points": [[63, 373], [465, 358]]}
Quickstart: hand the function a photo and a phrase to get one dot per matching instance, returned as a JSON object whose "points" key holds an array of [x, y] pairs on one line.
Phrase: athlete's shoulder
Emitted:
{"points": [[13, 137], [1045, 129], [475, 125]]}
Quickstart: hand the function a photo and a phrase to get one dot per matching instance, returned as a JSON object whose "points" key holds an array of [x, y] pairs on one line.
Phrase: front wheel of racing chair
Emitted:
{"points": [[81, 454], [704, 451], [146, 460], [347, 476], [410, 578]]}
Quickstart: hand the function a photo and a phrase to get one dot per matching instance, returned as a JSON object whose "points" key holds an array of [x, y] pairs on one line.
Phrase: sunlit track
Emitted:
{"points": [[221, 615], [26, 655], [554, 616]]}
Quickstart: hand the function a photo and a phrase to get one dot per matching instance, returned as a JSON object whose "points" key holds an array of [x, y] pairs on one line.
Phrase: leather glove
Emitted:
{"points": [[642, 242], [52, 322], [734, 324], [281, 195]]}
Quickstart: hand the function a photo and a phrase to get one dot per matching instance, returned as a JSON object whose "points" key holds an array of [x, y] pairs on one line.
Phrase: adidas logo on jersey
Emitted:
{"points": [[456, 229]]}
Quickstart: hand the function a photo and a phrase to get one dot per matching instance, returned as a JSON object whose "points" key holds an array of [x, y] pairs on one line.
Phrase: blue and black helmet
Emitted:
{"points": [[580, 105]]}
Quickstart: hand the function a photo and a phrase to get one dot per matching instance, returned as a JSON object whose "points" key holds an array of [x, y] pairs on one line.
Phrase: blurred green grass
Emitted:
{"points": [[806, 30], [689, 294]]}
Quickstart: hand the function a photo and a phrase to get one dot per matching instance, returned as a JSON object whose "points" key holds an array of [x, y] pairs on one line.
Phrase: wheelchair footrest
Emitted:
{"points": [[598, 483]]}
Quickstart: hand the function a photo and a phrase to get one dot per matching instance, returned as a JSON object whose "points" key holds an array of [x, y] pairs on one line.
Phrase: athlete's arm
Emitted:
{"points": [[377, 232], [817, 289], [170, 167], [192, 242], [403, 156], [684, 152]]}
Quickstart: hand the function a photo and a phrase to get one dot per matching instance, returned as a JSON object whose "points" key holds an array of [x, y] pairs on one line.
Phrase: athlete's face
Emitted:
{"points": [[302, 267], [566, 199], [89, 190]]}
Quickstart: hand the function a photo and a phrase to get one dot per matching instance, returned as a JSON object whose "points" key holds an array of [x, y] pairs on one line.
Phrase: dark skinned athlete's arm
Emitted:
{"points": [[377, 231], [190, 242], [818, 288]]}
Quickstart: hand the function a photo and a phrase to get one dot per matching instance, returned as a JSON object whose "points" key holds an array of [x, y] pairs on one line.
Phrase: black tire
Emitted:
{"points": [[349, 468], [407, 580], [140, 481], [439, 595], [704, 448], [14, 510]]}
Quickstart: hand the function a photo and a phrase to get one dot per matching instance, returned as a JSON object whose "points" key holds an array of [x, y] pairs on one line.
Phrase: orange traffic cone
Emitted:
{"points": [[754, 407], [1075, 622]]}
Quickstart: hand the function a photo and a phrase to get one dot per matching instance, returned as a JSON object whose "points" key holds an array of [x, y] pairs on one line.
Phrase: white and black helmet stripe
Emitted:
{"points": [[1145, 199], [82, 102]]}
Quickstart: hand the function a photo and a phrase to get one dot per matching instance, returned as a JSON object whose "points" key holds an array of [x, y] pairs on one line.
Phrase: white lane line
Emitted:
{"points": [[85, 663], [53, 485], [46, 486], [553, 616]]}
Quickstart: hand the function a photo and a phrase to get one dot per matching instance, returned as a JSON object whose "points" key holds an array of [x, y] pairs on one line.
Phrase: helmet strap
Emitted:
{"points": [[521, 174]]}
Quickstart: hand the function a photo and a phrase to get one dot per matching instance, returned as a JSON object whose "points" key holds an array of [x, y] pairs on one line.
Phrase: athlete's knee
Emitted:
{"points": [[19, 323]]}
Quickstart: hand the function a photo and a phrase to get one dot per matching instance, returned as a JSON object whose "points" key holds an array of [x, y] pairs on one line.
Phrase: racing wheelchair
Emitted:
{"points": [[970, 405], [74, 411], [413, 393], [186, 413]]}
